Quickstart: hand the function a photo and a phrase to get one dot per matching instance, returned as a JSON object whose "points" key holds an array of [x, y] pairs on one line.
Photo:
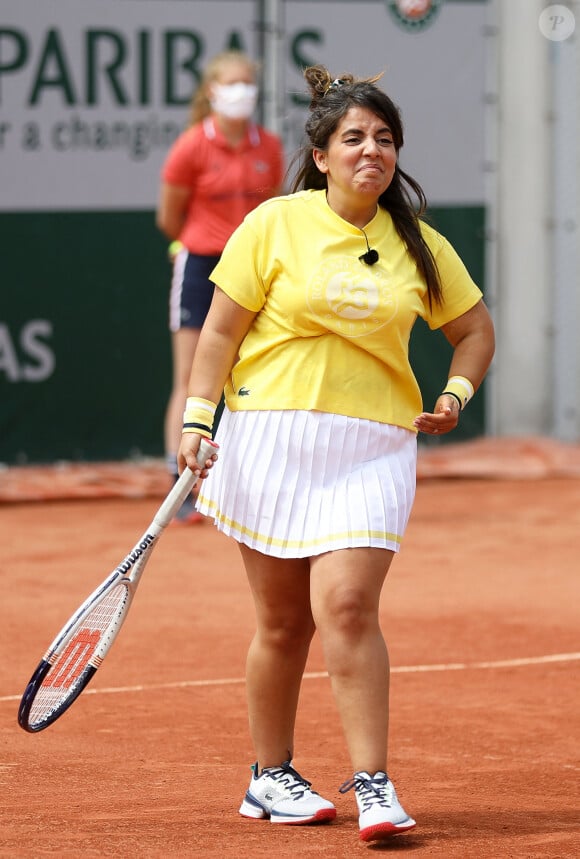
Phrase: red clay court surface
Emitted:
{"points": [[481, 613]]}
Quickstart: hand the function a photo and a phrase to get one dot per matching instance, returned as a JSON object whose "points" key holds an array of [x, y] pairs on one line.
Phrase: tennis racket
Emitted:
{"points": [[80, 647]]}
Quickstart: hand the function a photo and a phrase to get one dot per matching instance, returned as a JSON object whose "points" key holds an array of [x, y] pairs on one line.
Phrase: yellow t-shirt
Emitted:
{"points": [[331, 333]]}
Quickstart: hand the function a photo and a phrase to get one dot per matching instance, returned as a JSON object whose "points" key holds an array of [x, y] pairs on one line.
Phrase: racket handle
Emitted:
{"points": [[207, 448], [184, 485]]}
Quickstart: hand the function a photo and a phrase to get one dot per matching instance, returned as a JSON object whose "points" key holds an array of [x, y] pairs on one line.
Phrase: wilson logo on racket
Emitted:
{"points": [[134, 556]]}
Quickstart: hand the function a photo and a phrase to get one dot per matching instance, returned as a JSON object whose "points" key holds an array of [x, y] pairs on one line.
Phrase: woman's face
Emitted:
{"points": [[360, 159]]}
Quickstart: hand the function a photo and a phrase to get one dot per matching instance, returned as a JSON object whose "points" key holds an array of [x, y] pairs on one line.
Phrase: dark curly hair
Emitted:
{"points": [[331, 99]]}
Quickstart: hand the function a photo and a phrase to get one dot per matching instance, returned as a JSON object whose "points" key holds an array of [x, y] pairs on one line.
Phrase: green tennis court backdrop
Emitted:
{"points": [[91, 96], [85, 356]]}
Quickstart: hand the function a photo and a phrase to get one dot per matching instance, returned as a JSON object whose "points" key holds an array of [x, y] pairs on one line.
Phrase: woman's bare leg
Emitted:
{"points": [[278, 652], [346, 587]]}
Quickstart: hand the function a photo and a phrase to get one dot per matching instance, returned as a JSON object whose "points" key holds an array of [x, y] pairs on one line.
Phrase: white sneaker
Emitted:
{"points": [[281, 794], [380, 812]]}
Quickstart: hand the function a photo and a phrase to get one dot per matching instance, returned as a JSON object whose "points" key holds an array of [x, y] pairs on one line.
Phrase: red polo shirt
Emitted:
{"points": [[225, 182]]}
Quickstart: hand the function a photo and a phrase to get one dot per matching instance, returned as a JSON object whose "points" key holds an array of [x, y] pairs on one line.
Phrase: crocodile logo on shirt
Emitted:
{"points": [[243, 392]]}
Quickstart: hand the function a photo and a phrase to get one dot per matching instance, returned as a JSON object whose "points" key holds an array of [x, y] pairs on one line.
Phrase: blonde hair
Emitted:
{"points": [[200, 105]]}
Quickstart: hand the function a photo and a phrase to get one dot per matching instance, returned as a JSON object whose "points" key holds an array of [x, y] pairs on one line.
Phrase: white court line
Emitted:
{"points": [[317, 675]]}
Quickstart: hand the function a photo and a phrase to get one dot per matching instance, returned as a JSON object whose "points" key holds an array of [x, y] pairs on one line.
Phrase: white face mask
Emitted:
{"points": [[236, 101]]}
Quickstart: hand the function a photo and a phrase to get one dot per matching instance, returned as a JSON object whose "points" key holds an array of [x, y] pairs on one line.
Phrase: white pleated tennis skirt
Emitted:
{"points": [[298, 483]]}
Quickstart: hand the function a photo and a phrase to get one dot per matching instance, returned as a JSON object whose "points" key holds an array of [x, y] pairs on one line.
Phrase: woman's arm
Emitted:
{"points": [[172, 209], [226, 325], [473, 340]]}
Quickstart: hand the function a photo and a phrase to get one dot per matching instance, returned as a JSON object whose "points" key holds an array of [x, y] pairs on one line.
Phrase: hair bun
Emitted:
{"points": [[320, 82], [318, 79]]}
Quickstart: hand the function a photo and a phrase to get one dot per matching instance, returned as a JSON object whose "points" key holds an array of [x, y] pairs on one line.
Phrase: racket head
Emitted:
{"points": [[80, 647], [74, 657]]}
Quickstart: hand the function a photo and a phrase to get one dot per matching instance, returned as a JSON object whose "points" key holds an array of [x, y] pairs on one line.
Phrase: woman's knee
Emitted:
{"points": [[284, 632], [347, 613]]}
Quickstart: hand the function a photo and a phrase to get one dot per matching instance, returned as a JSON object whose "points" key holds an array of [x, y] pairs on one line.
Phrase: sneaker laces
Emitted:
{"points": [[287, 777], [375, 790]]}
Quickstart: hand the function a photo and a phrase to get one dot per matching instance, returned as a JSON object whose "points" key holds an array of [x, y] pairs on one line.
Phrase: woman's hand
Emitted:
{"points": [[472, 338], [187, 455], [443, 419]]}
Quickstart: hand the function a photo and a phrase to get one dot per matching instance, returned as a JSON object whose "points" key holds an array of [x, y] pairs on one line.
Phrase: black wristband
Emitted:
{"points": [[197, 426]]}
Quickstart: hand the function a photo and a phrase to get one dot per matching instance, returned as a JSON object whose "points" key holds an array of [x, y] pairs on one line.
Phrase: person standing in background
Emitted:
{"points": [[219, 169]]}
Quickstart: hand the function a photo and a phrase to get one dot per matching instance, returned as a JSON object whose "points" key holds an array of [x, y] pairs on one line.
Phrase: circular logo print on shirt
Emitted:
{"points": [[350, 298]]}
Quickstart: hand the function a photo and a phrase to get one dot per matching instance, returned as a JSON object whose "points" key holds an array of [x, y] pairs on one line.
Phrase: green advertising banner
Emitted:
{"points": [[85, 357]]}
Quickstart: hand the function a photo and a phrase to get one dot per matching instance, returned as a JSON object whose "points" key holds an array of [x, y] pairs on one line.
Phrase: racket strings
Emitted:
{"points": [[84, 648]]}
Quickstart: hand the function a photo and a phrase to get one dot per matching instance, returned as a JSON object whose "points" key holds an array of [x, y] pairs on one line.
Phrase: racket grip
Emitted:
{"points": [[184, 485], [207, 448]]}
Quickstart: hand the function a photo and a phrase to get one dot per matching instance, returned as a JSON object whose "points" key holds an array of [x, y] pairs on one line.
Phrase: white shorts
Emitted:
{"points": [[297, 483]]}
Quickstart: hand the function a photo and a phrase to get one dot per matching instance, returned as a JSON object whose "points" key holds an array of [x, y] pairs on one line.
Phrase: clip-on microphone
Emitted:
{"points": [[371, 256]]}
